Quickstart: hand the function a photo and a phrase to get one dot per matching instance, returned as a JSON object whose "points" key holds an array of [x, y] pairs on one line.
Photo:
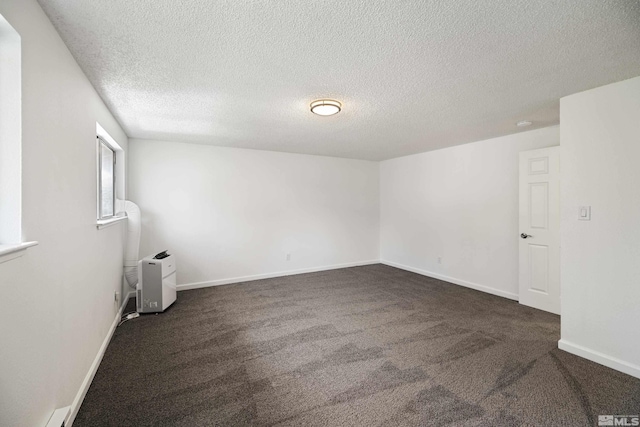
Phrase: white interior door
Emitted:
{"points": [[540, 229]]}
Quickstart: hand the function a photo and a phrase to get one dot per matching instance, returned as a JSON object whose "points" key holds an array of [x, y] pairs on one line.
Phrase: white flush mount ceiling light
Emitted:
{"points": [[524, 123], [326, 107]]}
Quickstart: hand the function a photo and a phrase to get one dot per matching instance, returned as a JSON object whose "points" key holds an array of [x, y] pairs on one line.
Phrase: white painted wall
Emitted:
{"points": [[230, 213], [600, 134], [461, 204], [57, 300]]}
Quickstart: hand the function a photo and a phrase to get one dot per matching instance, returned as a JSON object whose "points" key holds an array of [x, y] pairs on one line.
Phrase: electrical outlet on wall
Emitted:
{"points": [[288, 257], [116, 297]]}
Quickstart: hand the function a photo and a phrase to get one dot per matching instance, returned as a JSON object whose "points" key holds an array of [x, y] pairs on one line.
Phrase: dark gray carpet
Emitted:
{"points": [[360, 346]]}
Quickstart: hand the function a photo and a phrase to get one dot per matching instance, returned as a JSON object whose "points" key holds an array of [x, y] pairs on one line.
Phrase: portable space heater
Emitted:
{"points": [[156, 289]]}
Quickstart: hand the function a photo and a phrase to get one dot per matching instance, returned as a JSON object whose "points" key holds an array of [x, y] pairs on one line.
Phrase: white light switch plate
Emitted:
{"points": [[584, 213]]}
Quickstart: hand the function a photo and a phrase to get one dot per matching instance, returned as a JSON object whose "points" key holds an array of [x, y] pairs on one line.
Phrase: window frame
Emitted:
{"points": [[100, 143], [13, 243]]}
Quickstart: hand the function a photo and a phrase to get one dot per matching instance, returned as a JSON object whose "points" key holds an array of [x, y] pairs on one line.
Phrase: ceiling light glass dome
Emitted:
{"points": [[326, 107]]}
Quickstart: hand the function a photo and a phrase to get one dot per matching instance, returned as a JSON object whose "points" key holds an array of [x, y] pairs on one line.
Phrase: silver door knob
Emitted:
{"points": [[525, 235]]}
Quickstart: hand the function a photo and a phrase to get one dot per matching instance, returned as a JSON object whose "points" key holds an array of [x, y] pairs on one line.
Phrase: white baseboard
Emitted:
{"points": [[453, 280], [86, 383], [601, 358], [187, 286]]}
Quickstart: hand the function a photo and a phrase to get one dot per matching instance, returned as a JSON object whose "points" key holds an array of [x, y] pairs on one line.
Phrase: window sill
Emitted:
{"points": [[16, 250], [104, 223]]}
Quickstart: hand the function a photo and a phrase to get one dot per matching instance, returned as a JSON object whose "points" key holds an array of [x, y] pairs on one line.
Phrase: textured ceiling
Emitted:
{"points": [[413, 75]]}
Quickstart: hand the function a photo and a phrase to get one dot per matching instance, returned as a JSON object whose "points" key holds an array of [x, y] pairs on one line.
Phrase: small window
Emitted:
{"points": [[106, 180], [10, 136], [110, 174]]}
